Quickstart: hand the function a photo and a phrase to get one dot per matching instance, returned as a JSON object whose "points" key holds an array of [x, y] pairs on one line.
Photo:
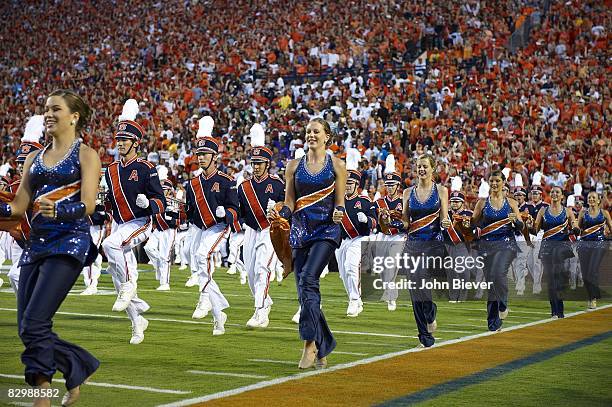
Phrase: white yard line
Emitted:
{"points": [[375, 344], [336, 352], [279, 362], [298, 376], [112, 385], [205, 372]]}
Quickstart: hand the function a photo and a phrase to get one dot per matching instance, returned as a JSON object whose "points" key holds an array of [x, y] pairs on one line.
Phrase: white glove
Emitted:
{"points": [[271, 204], [168, 217], [142, 201], [220, 212], [361, 217]]}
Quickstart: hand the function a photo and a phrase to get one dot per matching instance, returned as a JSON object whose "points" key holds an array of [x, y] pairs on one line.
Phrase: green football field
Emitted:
{"points": [[180, 359]]}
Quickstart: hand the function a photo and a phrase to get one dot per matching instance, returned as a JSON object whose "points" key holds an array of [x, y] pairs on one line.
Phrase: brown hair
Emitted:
{"points": [[432, 164], [498, 173], [326, 129], [76, 104]]}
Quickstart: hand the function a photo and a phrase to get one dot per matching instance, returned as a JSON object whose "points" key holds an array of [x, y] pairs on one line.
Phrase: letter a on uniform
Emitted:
{"points": [[269, 189], [133, 176], [215, 187]]}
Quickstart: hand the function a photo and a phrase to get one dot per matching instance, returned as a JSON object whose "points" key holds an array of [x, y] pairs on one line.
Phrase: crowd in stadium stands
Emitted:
{"points": [[390, 76]]}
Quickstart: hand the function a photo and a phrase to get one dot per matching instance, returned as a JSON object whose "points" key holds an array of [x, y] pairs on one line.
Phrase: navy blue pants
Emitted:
{"points": [[308, 264], [555, 272], [423, 307], [590, 255], [43, 286], [496, 264]]}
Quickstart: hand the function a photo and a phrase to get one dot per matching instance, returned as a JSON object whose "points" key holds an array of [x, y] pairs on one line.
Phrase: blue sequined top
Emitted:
{"points": [[51, 237], [588, 221], [419, 210], [549, 221], [491, 215], [315, 200]]}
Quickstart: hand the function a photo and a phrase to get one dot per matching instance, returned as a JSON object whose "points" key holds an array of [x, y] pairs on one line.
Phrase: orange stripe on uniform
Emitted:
{"points": [[125, 213], [137, 232], [348, 227], [313, 198], [494, 226], [205, 214], [553, 231], [423, 222], [256, 207]]}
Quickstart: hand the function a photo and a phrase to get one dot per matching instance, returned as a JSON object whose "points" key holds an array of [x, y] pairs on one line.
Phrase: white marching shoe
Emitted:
{"points": [[431, 328], [91, 290], [127, 292], [183, 267], [203, 308], [354, 308], [193, 280], [504, 314], [243, 278], [259, 319], [232, 269], [391, 305], [138, 330], [163, 287], [219, 324]]}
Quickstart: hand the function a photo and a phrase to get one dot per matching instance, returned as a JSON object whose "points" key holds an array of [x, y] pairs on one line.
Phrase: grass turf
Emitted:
{"points": [[176, 344]]}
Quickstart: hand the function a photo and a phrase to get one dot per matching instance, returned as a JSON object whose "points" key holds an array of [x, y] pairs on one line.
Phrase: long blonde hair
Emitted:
{"points": [[432, 163]]}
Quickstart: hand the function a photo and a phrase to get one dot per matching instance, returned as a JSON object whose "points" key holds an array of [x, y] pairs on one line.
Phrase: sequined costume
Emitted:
{"points": [[424, 239], [49, 237], [498, 247], [313, 237]]}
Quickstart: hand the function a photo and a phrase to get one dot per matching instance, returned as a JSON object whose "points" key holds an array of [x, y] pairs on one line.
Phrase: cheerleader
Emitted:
{"points": [[314, 201], [593, 245], [62, 192], [555, 250], [425, 210], [498, 218]]}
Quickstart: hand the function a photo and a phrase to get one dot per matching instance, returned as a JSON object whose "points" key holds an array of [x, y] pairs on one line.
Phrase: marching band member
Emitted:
{"points": [[160, 243], [255, 195], [30, 143], [390, 241], [97, 230], [593, 245], [357, 224], [134, 195], [534, 263], [519, 265], [498, 217], [575, 203], [555, 250], [212, 206]]}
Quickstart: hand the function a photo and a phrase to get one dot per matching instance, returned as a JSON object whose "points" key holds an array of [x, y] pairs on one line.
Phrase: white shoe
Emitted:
{"points": [[193, 280], [353, 309], [453, 301], [360, 304], [296, 317], [127, 292], [232, 269], [520, 292], [391, 305], [243, 278], [138, 330], [325, 272], [431, 328], [259, 319], [91, 290], [183, 267], [504, 314], [219, 324], [1, 282], [592, 304], [163, 287], [203, 308]]}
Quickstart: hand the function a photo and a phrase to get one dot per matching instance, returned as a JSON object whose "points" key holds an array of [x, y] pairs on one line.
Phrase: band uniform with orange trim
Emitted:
{"points": [[253, 196], [351, 227]]}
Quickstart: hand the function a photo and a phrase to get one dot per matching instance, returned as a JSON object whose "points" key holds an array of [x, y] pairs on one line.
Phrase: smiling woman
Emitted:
{"points": [[62, 192]]}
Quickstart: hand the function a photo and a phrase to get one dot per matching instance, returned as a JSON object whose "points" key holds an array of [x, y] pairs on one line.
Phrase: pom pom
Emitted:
{"points": [[258, 137], [353, 156], [205, 127], [518, 180], [390, 164], [571, 201], [456, 184], [577, 189], [483, 190], [34, 129], [130, 110]]}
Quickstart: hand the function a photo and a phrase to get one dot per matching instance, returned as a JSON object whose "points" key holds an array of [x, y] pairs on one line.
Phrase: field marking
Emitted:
{"points": [[185, 321], [112, 385], [334, 368], [280, 362], [493, 372], [336, 352], [249, 376], [375, 344]]}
